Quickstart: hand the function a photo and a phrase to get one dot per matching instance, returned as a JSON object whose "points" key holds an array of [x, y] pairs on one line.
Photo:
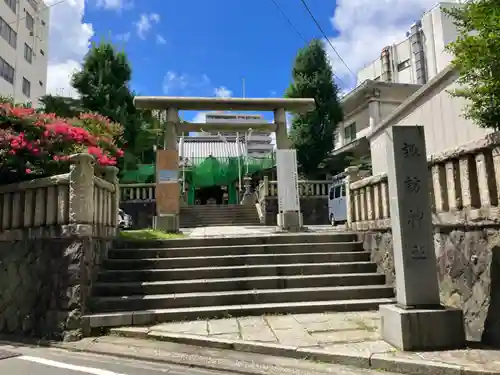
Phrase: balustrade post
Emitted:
{"points": [[266, 186], [352, 175], [81, 189], [111, 175]]}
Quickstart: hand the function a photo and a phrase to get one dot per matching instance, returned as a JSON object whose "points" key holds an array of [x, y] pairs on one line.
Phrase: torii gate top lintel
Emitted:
{"points": [[298, 105]]}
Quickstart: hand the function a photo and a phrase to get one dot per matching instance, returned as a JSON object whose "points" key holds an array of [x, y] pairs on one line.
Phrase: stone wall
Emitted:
{"points": [[468, 268], [54, 234], [314, 210], [464, 184], [45, 281]]}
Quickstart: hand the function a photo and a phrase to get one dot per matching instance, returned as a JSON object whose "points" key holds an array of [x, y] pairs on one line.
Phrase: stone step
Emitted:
{"points": [[234, 260], [207, 222], [236, 271], [239, 297], [148, 317], [284, 239], [197, 251], [221, 207], [237, 283]]}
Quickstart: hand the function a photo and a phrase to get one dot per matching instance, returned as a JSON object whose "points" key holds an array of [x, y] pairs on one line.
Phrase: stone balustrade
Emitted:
{"points": [[137, 192], [55, 233], [464, 184], [307, 188], [51, 201]]}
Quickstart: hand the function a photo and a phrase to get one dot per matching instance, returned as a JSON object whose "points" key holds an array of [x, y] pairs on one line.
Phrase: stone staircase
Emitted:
{"points": [[148, 282], [218, 215]]}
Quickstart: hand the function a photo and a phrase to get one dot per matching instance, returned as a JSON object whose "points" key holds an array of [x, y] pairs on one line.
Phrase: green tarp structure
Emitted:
{"points": [[205, 172]]}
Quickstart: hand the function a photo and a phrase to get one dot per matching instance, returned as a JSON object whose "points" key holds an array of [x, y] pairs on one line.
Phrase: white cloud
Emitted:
{"points": [[199, 118], [145, 23], [68, 44], [223, 92], [115, 4], [160, 39], [125, 37], [184, 84], [366, 26]]}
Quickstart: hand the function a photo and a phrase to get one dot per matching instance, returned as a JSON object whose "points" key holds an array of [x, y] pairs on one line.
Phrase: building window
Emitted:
{"points": [[8, 33], [404, 65], [30, 22], [12, 5], [6, 71], [336, 140], [28, 53], [33, 4], [350, 133], [26, 87]]}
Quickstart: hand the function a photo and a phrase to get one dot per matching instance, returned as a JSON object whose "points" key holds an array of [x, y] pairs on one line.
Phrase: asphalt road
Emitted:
{"points": [[41, 361]]}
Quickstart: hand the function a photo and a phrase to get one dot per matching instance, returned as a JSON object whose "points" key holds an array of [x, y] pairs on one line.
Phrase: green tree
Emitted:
{"points": [[477, 58], [312, 134], [103, 85], [61, 106]]}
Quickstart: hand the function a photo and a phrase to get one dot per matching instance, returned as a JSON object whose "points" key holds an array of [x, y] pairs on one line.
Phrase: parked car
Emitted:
{"points": [[124, 220]]}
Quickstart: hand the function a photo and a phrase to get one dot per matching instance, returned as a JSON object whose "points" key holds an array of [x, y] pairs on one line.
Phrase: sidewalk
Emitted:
{"points": [[341, 338]]}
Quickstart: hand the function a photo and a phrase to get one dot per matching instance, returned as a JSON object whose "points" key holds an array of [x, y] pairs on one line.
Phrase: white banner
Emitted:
{"points": [[288, 180]]}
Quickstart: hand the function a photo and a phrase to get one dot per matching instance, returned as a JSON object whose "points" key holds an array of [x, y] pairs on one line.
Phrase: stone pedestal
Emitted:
{"points": [[290, 221], [422, 329], [417, 321], [167, 223]]}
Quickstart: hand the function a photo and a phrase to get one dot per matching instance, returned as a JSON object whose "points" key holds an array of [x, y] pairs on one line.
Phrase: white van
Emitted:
{"points": [[337, 203]]}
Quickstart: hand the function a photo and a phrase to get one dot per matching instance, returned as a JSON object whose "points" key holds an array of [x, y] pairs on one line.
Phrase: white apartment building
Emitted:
{"points": [[397, 74], [24, 37], [421, 55], [258, 142]]}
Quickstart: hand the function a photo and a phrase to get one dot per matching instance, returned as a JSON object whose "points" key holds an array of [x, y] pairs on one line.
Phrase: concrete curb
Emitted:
{"points": [[375, 361]]}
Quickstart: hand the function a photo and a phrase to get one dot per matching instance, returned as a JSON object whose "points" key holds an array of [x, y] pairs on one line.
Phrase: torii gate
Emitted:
{"points": [[167, 161]]}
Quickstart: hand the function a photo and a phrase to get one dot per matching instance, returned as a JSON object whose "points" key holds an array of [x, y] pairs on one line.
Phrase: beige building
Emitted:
{"points": [[364, 108], [24, 35], [421, 55], [259, 143], [409, 84]]}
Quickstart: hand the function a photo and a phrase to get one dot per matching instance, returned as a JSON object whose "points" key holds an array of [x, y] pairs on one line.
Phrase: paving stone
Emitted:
{"points": [[331, 325], [229, 336], [252, 321], [295, 337], [312, 318], [282, 322], [345, 336], [223, 326], [365, 348], [257, 333], [195, 327]]}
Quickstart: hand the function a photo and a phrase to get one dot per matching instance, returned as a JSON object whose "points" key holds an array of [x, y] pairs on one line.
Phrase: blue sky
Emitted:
{"points": [[207, 47]]}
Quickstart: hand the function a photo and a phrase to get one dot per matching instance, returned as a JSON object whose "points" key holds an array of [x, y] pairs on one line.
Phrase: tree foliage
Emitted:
{"points": [[477, 57], [103, 86], [312, 134], [61, 106]]}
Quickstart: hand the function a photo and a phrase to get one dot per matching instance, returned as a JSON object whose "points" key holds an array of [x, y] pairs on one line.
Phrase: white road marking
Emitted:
{"points": [[67, 366]]}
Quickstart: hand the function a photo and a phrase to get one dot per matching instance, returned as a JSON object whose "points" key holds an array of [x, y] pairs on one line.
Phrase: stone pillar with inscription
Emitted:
{"points": [[417, 321]]}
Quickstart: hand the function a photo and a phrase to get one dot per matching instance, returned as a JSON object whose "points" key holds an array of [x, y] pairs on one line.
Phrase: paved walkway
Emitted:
{"points": [[343, 338], [241, 231]]}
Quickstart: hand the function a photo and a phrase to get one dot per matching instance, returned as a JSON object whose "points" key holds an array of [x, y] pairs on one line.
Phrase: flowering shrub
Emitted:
{"points": [[35, 144]]}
